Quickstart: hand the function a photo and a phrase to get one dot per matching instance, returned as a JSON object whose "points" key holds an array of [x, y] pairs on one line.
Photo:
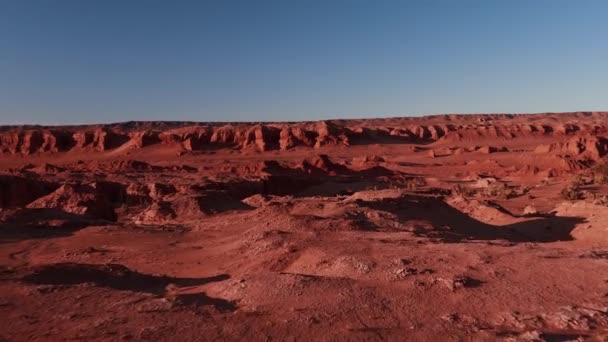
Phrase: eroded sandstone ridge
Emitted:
{"points": [[284, 136]]}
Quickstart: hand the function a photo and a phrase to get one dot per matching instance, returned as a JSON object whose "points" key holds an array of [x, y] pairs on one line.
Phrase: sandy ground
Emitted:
{"points": [[428, 229]]}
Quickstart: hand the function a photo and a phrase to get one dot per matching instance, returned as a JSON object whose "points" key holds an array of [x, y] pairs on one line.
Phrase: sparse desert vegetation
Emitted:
{"points": [[600, 173]]}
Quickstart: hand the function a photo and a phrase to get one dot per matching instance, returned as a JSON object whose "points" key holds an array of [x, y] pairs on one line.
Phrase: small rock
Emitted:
{"points": [[530, 210], [452, 317], [458, 282]]}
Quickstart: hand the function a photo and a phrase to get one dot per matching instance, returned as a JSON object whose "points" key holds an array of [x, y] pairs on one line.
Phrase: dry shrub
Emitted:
{"points": [[572, 192], [600, 173], [506, 192], [596, 198], [463, 190]]}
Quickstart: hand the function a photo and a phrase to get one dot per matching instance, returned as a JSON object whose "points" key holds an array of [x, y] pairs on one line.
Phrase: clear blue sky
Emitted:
{"points": [[82, 61]]}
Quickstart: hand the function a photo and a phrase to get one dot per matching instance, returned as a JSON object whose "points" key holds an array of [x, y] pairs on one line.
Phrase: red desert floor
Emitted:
{"points": [[442, 228]]}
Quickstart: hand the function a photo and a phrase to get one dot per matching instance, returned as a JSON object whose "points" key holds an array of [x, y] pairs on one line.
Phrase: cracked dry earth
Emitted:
{"points": [[443, 228]]}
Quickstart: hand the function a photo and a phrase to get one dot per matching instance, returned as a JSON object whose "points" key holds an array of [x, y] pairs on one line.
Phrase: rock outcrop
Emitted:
{"points": [[78, 199], [579, 147], [125, 137]]}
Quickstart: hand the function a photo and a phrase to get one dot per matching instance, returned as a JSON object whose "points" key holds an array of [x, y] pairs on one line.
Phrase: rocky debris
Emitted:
{"points": [[158, 191], [367, 161], [138, 194], [526, 170], [259, 169], [568, 323], [190, 206], [491, 149], [458, 282], [322, 164], [182, 206], [157, 212], [78, 199], [596, 254], [44, 168], [486, 182], [530, 211], [131, 166], [127, 165], [257, 200], [124, 166], [405, 272]]}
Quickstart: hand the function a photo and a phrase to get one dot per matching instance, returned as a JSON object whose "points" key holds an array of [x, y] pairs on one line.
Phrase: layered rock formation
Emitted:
{"points": [[579, 147], [284, 136]]}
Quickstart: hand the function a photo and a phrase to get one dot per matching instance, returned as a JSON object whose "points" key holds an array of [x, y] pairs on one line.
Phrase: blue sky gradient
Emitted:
{"points": [[74, 61]]}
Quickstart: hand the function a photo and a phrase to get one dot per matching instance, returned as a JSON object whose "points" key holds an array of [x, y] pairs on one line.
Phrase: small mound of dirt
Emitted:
{"points": [[122, 165], [158, 191], [321, 164], [78, 199], [44, 168], [365, 162], [257, 200], [156, 212], [491, 149]]}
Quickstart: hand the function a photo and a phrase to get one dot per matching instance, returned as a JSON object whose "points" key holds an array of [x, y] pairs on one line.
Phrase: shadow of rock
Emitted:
{"points": [[452, 225], [113, 276], [119, 277], [201, 299], [42, 223], [17, 191]]}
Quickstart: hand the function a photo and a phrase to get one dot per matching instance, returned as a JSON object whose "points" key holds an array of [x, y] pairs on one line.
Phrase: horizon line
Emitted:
{"points": [[422, 116]]}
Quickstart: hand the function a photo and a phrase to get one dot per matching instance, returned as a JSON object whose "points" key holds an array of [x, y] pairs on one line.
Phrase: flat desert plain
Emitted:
{"points": [[437, 228]]}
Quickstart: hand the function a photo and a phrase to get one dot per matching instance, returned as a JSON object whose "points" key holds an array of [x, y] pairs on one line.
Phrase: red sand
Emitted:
{"points": [[450, 227]]}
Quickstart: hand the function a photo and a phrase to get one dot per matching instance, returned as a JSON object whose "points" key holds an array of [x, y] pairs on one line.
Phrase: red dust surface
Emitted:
{"points": [[447, 227]]}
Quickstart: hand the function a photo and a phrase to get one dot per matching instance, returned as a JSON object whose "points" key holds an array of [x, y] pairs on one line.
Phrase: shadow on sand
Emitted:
{"points": [[119, 277], [27, 223], [453, 225]]}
